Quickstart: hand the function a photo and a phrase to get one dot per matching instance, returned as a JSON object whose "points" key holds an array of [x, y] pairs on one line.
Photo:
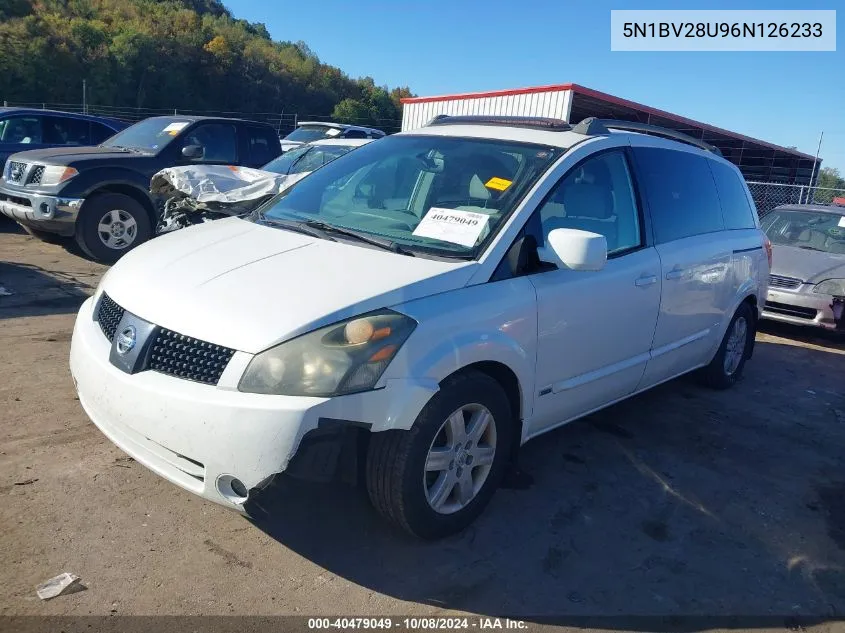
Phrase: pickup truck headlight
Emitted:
{"points": [[346, 357], [57, 174], [831, 287]]}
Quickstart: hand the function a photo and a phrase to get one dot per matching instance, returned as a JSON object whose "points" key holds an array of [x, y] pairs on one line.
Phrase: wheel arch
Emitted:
{"points": [[509, 381], [131, 191]]}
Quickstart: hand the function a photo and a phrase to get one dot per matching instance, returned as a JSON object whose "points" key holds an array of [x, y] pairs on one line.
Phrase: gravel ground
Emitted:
{"points": [[679, 502]]}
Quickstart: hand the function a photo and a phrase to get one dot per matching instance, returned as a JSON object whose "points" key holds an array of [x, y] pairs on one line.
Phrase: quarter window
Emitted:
{"points": [[680, 191], [596, 196], [736, 210]]}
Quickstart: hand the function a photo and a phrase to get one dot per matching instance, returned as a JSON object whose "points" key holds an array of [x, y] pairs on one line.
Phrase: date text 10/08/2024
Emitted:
{"points": [[417, 624]]}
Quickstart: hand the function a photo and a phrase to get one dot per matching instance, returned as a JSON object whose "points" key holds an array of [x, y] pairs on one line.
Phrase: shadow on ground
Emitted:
{"points": [[27, 290], [680, 509]]}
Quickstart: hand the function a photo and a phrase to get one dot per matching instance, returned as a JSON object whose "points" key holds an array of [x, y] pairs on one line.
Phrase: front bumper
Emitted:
{"points": [[201, 437], [800, 307], [54, 214]]}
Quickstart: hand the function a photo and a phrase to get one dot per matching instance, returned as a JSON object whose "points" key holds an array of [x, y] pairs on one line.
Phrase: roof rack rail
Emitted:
{"points": [[537, 123], [593, 126]]}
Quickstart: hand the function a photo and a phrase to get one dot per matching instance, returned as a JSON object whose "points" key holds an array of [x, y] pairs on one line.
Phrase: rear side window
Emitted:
{"points": [[681, 193], [736, 210], [66, 131], [355, 134], [261, 145]]}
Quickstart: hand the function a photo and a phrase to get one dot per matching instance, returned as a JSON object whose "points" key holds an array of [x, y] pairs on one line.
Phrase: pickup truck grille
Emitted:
{"points": [[16, 171], [778, 281], [172, 353], [35, 175]]}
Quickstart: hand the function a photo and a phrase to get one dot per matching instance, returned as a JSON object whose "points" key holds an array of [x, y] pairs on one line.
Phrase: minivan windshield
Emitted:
{"points": [[308, 133], [149, 135], [810, 230], [424, 193]]}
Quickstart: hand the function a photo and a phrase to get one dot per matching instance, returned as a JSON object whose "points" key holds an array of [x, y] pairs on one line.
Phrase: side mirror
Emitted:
{"points": [[574, 249], [193, 152]]}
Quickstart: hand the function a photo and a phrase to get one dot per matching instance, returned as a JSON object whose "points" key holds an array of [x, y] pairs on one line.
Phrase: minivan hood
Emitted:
{"points": [[806, 265], [248, 286]]}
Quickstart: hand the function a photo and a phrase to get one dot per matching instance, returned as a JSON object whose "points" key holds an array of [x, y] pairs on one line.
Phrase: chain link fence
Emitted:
{"points": [[284, 122], [768, 195]]}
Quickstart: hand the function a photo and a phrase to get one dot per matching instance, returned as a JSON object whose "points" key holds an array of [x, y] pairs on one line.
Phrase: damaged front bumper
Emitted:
{"points": [[215, 441], [803, 307]]}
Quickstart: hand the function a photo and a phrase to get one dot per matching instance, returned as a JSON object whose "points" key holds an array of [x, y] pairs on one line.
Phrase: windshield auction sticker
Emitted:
{"points": [[452, 225], [175, 127]]}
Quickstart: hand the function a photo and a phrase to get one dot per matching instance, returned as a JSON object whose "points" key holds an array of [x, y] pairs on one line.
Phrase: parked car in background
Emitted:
{"points": [[202, 193], [310, 131], [23, 129], [426, 304], [311, 156], [100, 195], [807, 285]]}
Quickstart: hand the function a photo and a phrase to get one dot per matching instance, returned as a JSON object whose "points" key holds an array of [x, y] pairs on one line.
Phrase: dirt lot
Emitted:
{"points": [[680, 502]]}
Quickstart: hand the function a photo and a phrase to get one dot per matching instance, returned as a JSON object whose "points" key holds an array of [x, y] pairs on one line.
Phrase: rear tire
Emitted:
{"points": [[725, 370], [431, 480], [110, 225]]}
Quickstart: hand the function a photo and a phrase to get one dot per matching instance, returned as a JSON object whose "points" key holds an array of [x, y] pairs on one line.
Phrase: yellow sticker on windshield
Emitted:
{"points": [[499, 184]]}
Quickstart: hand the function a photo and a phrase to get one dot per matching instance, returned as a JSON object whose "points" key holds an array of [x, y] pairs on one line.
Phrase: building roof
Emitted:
{"points": [[604, 98]]}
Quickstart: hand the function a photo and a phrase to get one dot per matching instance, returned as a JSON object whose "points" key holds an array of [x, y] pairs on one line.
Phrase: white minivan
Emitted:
{"points": [[419, 308]]}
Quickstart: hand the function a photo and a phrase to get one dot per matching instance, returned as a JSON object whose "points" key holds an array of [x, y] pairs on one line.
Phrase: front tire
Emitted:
{"points": [[725, 370], [110, 225], [436, 478]]}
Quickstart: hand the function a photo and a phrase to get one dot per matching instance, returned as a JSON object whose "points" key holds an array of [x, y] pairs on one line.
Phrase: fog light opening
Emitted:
{"points": [[45, 209], [232, 489]]}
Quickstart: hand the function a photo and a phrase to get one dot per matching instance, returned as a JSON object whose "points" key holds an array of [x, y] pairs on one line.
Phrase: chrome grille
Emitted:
{"points": [[108, 316], [35, 175], [185, 357], [16, 171], [778, 281]]}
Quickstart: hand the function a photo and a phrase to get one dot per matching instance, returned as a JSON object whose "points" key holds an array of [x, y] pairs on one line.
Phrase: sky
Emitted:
{"points": [[454, 46]]}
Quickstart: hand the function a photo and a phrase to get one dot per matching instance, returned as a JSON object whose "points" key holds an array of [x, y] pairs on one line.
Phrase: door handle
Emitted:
{"points": [[675, 273], [645, 280]]}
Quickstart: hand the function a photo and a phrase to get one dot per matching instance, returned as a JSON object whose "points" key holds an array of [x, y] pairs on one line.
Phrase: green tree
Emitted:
{"points": [[144, 55], [830, 184]]}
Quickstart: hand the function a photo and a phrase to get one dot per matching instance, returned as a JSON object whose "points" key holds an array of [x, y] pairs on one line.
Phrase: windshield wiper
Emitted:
{"points": [[361, 236], [813, 248], [134, 150], [296, 226]]}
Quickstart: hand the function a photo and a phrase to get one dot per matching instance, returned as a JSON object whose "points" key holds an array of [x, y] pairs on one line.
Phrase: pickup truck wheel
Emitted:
{"points": [[436, 478], [110, 225]]}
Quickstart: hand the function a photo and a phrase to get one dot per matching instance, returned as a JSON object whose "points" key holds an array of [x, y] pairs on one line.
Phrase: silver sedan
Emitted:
{"points": [[807, 283]]}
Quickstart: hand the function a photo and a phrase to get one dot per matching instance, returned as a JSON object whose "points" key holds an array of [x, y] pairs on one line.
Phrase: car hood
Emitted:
{"points": [[73, 155], [248, 286], [809, 266]]}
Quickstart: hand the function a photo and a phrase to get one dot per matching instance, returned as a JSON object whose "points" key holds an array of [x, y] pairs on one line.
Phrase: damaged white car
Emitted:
{"points": [[199, 193]]}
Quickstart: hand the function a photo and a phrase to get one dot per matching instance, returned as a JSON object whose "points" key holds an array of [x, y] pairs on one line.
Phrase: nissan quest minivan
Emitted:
{"points": [[421, 307]]}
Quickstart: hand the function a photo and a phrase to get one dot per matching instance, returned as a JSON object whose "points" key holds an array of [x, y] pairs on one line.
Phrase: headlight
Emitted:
{"points": [[831, 287], [57, 174], [342, 358]]}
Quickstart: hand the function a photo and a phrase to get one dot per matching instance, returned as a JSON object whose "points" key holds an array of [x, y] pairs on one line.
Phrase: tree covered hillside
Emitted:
{"points": [[187, 54]]}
